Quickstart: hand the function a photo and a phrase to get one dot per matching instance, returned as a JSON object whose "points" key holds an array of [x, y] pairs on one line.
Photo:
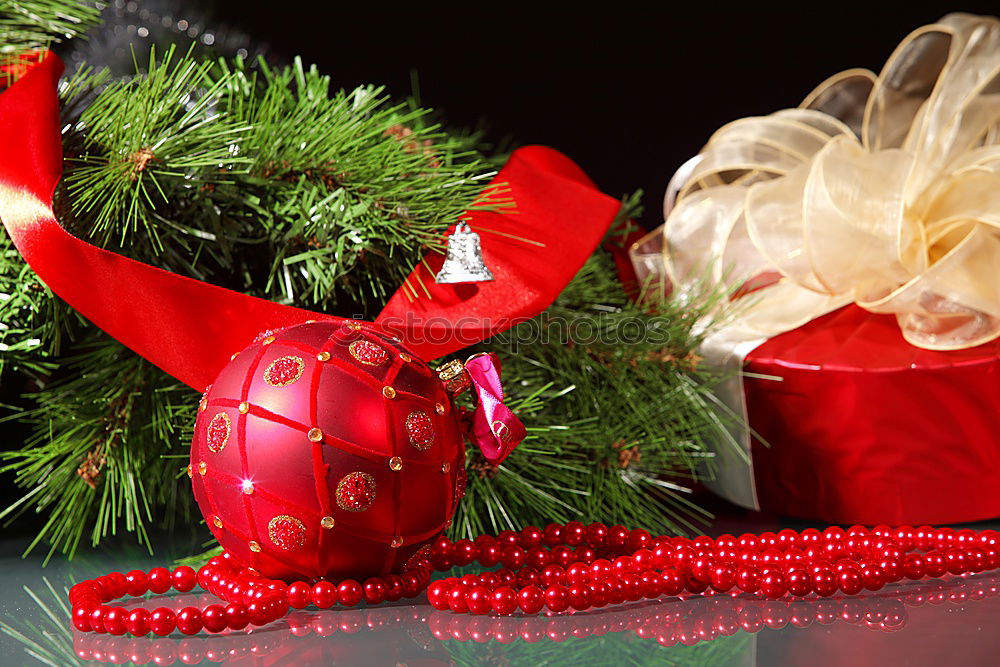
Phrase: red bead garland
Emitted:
{"points": [[558, 568]]}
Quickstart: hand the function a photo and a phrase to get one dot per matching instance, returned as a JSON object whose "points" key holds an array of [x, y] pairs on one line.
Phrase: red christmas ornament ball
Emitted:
{"points": [[326, 450]]}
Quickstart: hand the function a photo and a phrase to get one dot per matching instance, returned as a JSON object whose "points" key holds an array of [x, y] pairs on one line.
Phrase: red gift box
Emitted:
{"points": [[865, 428]]}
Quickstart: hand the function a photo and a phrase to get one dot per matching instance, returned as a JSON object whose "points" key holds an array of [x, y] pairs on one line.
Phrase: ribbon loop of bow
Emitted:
{"points": [[496, 430], [880, 190]]}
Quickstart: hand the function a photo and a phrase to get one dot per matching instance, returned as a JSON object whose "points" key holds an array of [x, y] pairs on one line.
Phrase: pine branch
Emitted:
{"points": [[609, 414], [36, 24], [94, 462]]}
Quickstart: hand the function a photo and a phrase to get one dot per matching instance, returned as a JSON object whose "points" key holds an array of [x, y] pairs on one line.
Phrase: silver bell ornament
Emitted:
{"points": [[464, 261]]}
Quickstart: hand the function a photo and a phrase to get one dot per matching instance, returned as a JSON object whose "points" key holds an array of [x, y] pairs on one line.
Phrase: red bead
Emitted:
{"points": [[723, 577], [892, 569], [872, 576], [393, 587], [237, 617], [189, 620], [617, 537], [849, 581], [184, 578], [478, 600], [748, 578], [513, 557], [695, 585], [934, 563], [137, 583], [97, 618], [437, 594], [349, 593], [799, 582], [537, 558], [456, 598], [463, 552], [913, 566], [299, 595], [374, 590], [578, 573], [159, 580], [955, 559], [114, 621], [599, 594], [489, 554], [651, 585], [162, 621], [597, 534], [530, 599], [557, 598], [824, 582], [81, 618], [673, 583], [562, 556], [137, 622], [504, 600], [579, 596], [639, 539], [574, 533], [214, 618], [552, 535], [600, 569], [553, 574], [413, 584], [773, 585], [324, 594], [530, 537], [259, 613]]}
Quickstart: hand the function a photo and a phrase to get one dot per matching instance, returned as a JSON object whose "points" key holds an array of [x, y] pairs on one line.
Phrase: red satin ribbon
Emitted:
{"points": [[190, 328]]}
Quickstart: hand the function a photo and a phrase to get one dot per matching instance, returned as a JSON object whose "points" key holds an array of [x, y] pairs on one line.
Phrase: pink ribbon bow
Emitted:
{"points": [[495, 429]]}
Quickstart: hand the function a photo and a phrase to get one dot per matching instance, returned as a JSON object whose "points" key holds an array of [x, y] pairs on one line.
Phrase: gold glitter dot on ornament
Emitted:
{"points": [[254, 547], [395, 464], [439, 408], [202, 405], [356, 492], [202, 468], [327, 522], [388, 392], [445, 467], [354, 326], [247, 487], [284, 371], [286, 532], [368, 352], [396, 542], [315, 435], [218, 431], [405, 357], [235, 354], [217, 522], [267, 341], [190, 471], [323, 356], [420, 428], [244, 408]]}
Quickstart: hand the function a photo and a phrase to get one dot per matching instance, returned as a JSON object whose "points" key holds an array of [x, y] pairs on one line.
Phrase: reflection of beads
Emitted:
{"points": [[693, 621], [562, 567]]}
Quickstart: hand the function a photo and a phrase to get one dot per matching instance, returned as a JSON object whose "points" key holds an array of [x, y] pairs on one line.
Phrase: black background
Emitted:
{"points": [[627, 92]]}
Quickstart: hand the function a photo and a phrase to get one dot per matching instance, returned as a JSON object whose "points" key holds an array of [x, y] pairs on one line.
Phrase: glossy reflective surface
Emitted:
{"points": [[931, 622]]}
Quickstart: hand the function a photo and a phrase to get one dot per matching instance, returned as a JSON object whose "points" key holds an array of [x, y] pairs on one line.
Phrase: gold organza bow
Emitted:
{"points": [[882, 191]]}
